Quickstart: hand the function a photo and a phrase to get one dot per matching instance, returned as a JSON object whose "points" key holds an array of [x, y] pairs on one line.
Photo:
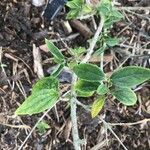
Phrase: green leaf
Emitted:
{"points": [[125, 95], [75, 8], [42, 126], [101, 50], [86, 9], [89, 72], [45, 83], [38, 102], [110, 13], [55, 51], [57, 70], [77, 51], [109, 22], [72, 14], [130, 76], [71, 64], [86, 86], [72, 4], [117, 14], [84, 93], [112, 41], [102, 89], [97, 106], [105, 7], [75, 3]]}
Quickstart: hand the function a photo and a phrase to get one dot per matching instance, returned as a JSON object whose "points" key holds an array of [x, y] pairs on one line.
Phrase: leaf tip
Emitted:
{"points": [[93, 115], [46, 40]]}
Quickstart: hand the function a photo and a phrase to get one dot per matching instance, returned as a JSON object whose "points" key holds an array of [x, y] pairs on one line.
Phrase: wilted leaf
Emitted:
{"points": [[38, 102], [130, 76], [55, 51], [125, 95], [89, 72], [97, 106], [45, 83]]}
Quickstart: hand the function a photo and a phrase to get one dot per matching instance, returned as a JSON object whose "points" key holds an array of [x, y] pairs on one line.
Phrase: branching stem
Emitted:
{"points": [[73, 104], [94, 40]]}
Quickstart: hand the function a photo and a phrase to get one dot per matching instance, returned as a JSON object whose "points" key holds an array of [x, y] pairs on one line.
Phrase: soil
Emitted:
{"points": [[21, 26]]}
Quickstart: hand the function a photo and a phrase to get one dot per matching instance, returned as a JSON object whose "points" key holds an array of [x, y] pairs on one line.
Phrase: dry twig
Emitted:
{"points": [[37, 62], [130, 123]]}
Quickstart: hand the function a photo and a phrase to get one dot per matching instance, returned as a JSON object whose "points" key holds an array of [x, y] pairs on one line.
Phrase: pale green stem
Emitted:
{"points": [[73, 104]]}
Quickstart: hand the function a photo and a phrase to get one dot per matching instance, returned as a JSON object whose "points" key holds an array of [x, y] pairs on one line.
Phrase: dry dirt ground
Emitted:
{"points": [[22, 26]]}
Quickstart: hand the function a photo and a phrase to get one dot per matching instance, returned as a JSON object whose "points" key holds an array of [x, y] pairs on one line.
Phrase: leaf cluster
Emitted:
{"points": [[110, 13], [77, 7], [93, 80], [42, 126]]}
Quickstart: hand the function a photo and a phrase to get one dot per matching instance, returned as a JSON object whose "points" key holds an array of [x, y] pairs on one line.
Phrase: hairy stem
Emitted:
{"points": [[73, 103], [75, 134], [94, 40]]}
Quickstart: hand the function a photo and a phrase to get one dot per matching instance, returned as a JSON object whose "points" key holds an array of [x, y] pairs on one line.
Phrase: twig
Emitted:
{"points": [[128, 46], [37, 62], [83, 105], [2, 67], [107, 125], [68, 38], [99, 145], [138, 15], [130, 123], [82, 28], [73, 103], [134, 8], [16, 126]]}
